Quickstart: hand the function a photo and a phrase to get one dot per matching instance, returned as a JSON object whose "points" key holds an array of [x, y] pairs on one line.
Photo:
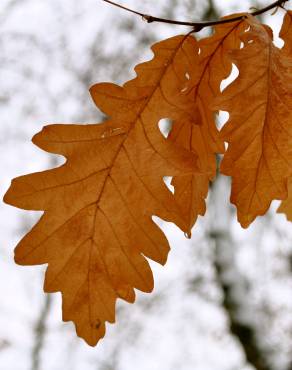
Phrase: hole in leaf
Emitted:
{"points": [[223, 117], [187, 76], [233, 75], [167, 181], [165, 125], [279, 42], [247, 29]]}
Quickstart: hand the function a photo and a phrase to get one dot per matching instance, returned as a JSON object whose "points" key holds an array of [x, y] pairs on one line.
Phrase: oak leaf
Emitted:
{"points": [[97, 225], [286, 36], [97, 231], [259, 129], [200, 135], [286, 32], [286, 205]]}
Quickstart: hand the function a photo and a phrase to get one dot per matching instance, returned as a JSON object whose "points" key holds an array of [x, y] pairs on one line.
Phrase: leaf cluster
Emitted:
{"points": [[97, 229]]}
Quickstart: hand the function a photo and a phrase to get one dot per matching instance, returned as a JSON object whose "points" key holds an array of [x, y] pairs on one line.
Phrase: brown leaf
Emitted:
{"points": [[200, 135], [97, 225], [259, 129], [286, 32], [286, 205], [286, 35]]}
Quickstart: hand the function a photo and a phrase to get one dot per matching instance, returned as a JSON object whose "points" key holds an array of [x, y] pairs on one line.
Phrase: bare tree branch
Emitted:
{"points": [[197, 26]]}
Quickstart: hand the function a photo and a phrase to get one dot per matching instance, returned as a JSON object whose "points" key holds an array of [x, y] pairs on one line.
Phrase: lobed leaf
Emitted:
{"points": [[97, 229], [259, 129], [286, 35], [286, 205], [200, 134], [286, 32]]}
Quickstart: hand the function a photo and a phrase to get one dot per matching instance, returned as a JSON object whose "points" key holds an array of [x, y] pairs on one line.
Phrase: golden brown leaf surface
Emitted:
{"points": [[200, 135], [259, 129], [286, 205], [286, 35], [97, 225], [286, 32]]}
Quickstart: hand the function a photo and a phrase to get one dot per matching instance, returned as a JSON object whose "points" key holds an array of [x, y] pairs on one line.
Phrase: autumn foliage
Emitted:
{"points": [[97, 227]]}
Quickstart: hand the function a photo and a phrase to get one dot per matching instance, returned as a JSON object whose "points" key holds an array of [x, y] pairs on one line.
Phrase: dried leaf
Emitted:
{"points": [[97, 230], [200, 135], [97, 225], [286, 35], [259, 129], [286, 32], [286, 205]]}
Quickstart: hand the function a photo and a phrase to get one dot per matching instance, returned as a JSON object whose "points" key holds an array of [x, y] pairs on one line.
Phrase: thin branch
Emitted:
{"points": [[198, 26], [123, 7]]}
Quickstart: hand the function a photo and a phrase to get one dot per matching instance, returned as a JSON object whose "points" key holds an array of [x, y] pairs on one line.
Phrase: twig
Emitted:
{"points": [[197, 26], [123, 7]]}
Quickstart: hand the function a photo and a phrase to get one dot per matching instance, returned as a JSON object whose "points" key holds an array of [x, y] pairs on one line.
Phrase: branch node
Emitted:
{"points": [[197, 28], [147, 18]]}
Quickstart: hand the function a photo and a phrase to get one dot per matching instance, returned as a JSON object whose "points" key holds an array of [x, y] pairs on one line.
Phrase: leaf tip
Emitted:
{"points": [[245, 220], [17, 257], [41, 135], [8, 197], [188, 235]]}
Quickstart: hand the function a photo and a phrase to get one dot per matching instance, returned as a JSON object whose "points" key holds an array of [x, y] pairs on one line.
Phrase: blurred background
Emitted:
{"points": [[224, 299]]}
